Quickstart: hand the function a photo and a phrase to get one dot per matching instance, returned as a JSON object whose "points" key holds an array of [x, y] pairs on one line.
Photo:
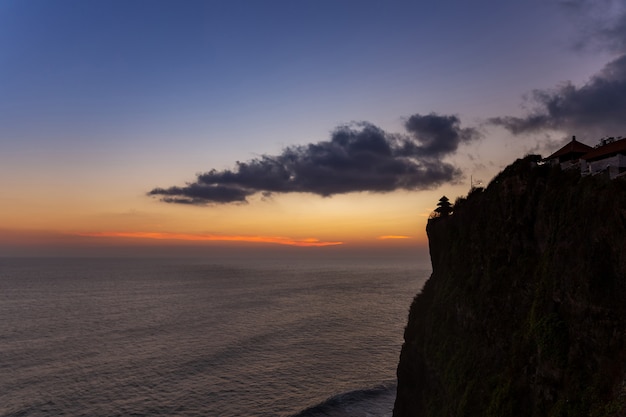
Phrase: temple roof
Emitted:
{"points": [[572, 148]]}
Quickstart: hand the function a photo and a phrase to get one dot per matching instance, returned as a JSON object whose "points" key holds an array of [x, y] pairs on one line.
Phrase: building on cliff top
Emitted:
{"points": [[609, 156], [569, 155]]}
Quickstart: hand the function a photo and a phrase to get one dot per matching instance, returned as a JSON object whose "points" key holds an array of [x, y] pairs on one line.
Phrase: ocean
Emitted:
{"points": [[177, 337]]}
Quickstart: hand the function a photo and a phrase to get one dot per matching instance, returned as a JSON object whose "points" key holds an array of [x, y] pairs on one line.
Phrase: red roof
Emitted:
{"points": [[619, 146], [574, 147]]}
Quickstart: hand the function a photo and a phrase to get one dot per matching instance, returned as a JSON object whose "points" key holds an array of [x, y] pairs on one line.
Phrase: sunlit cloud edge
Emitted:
{"points": [[279, 240], [390, 237]]}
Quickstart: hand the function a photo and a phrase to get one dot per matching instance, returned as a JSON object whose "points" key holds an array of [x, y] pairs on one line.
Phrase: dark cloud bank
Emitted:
{"points": [[597, 108], [358, 157]]}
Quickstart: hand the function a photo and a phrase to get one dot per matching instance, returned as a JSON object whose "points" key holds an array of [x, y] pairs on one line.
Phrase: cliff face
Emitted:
{"points": [[525, 312]]}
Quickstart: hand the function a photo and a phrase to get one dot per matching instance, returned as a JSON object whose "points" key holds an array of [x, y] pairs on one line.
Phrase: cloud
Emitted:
{"points": [[308, 242], [391, 237], [600, 23], [439, 135], [197, 193], [359, 157], [596, 109]]}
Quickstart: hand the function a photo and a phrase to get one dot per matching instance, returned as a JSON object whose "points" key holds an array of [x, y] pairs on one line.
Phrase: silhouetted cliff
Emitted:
{"points": [[525, 312]]}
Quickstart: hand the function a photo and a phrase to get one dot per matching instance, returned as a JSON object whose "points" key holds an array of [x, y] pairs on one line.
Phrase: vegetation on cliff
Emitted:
{"points": [[525, 312]]}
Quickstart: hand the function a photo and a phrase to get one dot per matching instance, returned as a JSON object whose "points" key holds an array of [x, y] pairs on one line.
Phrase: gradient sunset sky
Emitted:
{"points": [[316, 125]]}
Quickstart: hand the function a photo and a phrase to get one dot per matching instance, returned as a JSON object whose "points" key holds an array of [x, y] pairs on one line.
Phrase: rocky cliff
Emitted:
{"points": [[525, 311]]}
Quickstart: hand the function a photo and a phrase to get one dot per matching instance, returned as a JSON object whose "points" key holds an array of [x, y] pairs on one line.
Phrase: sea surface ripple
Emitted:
{"points": [[102, 337]]}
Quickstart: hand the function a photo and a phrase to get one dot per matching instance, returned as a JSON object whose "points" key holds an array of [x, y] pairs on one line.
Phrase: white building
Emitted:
{"points": [[608, 157]]}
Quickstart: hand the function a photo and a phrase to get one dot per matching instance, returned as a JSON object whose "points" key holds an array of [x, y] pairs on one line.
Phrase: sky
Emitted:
{"points": [[313, 127]]}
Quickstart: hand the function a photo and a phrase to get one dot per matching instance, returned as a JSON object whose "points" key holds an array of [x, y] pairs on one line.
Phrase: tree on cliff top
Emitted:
{"points": [[444, 208]]}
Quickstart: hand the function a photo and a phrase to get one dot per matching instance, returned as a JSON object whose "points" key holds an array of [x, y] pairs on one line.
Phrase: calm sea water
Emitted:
{"points": [[97, 337]]}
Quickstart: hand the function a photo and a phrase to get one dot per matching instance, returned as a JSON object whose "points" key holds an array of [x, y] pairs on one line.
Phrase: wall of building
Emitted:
{"points": [[615, 164]]}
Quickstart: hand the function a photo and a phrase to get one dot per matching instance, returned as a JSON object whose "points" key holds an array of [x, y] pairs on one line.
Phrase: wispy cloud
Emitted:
{"points": [[280, 240], [390, 237], [600, 23], [596, 108], [359, 157]]}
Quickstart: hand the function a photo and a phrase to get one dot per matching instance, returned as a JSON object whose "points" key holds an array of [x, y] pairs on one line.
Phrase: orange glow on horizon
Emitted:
{"points": [[307, 242], [387, 237]]}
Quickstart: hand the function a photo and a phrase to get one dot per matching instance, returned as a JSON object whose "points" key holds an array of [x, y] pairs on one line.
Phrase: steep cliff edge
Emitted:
{"points": [[525, 312]]}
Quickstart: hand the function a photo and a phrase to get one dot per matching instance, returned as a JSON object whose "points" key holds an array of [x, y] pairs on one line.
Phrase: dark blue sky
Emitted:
{"points": [[85, 66]]}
